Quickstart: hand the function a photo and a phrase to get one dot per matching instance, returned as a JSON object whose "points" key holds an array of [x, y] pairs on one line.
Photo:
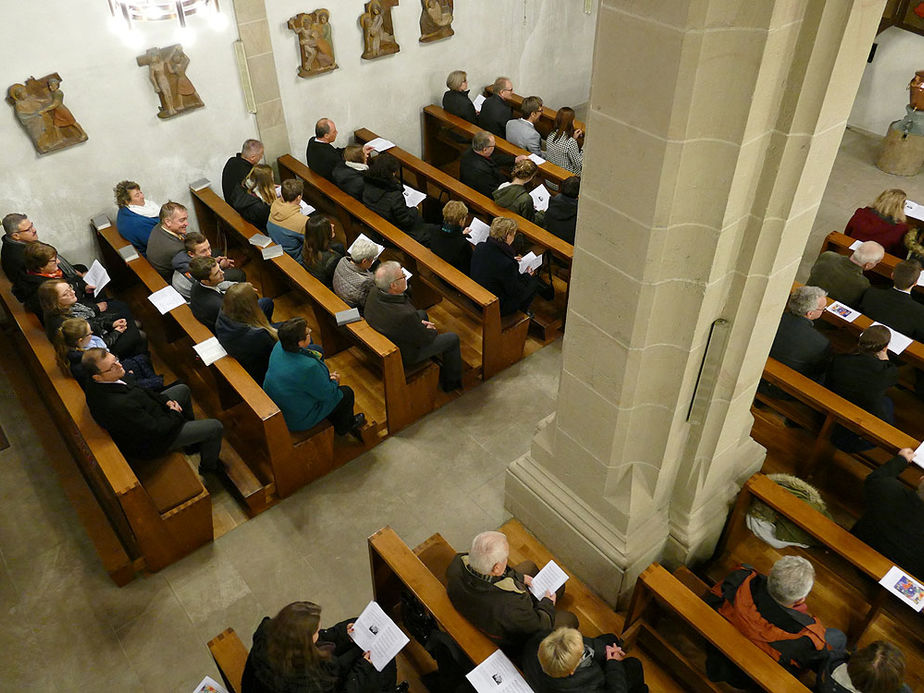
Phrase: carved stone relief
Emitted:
{"points": [[378, 30], [167, 72], [39, 106], [435, 20], [315, 44]]}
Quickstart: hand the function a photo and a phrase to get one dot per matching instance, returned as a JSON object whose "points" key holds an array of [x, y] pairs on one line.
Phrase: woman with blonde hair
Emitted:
{"points": [[561, 146], [258, 191], [292, 653], [883, 221], [456, 100], [515, 195], [75, 336], [244, 331]]}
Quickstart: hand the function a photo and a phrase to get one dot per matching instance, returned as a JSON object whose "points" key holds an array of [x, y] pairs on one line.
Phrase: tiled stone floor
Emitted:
{"points": [[64, 626]]}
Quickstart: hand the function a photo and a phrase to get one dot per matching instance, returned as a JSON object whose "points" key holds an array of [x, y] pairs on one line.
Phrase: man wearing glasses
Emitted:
{"points": [[495, 112], [19, 231]]}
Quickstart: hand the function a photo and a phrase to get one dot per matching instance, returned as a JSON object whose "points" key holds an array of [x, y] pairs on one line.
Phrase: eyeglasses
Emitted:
{"points": [[114, 364], [31, 229]]}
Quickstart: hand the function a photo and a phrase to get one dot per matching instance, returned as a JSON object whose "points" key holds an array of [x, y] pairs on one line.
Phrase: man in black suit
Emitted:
{"points": [[893, 523], [145, 424], [797, 343], [495, 112], [207, 294], [479, 167], [237, 167], [895, 307], [321, 153]]}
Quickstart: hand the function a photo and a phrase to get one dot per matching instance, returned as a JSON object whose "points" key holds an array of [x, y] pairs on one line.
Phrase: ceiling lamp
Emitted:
{"points": [[131, 11]]}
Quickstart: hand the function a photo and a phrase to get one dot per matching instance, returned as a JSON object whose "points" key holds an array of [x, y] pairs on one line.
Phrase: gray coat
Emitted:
{"points": [[523, 134]]}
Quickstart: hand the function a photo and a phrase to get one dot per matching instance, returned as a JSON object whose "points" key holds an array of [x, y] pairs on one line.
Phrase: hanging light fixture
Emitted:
{"points": [[126, 13]]}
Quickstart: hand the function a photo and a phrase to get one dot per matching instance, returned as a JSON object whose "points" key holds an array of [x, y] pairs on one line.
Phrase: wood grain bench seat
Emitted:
{"points": [[170, 480], [546, 122], [494, 348], [156, 526], [407, 393]]}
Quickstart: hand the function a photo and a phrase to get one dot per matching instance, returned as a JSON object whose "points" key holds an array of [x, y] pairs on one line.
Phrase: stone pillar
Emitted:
{"points": [[713, 128], [253, 29]]}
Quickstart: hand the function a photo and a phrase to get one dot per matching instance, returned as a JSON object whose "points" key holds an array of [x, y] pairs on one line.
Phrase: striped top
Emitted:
{"points": [[564, 151]]}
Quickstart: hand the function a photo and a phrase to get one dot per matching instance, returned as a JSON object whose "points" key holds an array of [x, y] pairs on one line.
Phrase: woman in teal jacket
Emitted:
{"points": [[300, 384]]}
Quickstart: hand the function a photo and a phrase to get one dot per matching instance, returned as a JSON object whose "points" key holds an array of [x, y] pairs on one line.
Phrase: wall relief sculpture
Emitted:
{"points": [[315, 45], [435, 20], [167, 72], [378, 30], [39, 106]]}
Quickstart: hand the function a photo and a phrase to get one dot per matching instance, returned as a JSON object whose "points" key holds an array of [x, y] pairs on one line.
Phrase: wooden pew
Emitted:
{"points": [[849, 568], [408, 394], [546, 122], [548, 317], [502, 339], [230, 657], [275, 462], [159, 512], [441, 150], [657, 594]]}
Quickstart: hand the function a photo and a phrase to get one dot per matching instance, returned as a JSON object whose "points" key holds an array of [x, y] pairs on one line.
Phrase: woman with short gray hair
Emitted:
{"points": [[353, 276], [456, 100]]}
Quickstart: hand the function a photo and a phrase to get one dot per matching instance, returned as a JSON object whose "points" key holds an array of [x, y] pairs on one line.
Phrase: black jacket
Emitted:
{"points": [[458, 103], [495, 267], [800, 346], [561, 217], [323, 269], [252, 208], [29, 284], [893, 523], [235, 171], [481, 173], [896, 309], [595, 674], [862, 379], [139, 421], [494, 115], [349, 180], [322, 157], [12, 258], [452, 245], [205, 304], [387, 199], [251, 346], [395, 317]]}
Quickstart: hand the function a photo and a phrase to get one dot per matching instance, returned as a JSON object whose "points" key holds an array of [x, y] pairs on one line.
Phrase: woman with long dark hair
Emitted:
{"points": [[561, 146]]}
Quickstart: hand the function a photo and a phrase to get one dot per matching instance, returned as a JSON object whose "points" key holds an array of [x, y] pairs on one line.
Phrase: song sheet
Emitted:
{"points": [[412, 197], [362, 235], [210, 685], [549, 579], [479, 102], [913, 209], [97, 276], [530, 261], [407, 275], [378, 635], [478, 231], [210, 351], [305, 208], [899, 342], [855, 245], [538, 159], [497, 674], [540, 195], [166, 299], [380, 144], [904, 587]]}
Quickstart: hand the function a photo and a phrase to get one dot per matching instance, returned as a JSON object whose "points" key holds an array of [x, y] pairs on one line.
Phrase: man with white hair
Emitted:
{"points": [[390, 311], [771, 612], [893, 523], [842, 276], [797, 343], [496, 599]]}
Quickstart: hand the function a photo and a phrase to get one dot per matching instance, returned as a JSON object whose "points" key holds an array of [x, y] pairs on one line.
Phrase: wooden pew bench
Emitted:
{"points": [[397, 396], [443, 150], [659, 596], [158, 512], [847, 594], [440, 186], [489, 343], [546, 122], [274, 463]]}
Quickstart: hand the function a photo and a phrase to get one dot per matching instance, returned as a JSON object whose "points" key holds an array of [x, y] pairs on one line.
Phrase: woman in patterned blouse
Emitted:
{"points": [[561, 146]]}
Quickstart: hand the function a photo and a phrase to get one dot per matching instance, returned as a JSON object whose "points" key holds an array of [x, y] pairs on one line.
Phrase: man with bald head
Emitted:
{"points": [[495, 597], [237, 168], [321, 153], [842, 276]]}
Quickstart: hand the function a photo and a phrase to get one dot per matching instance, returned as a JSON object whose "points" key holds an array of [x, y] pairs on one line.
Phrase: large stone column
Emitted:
{"points": [[713, 128]]}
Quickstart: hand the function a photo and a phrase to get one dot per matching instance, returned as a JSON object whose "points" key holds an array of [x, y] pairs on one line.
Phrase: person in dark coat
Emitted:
{"points": [[244, 331], [797, 343], [893, 522], [495, 266], [291, 653], [41, 263], [564, 661], [495, 597], [561, 216], [479, 167], [895, 307], [145, 424], [842, 276], [238, 166], [19, 232], [456, 100], [451, 241], [389, 311], [207, 294], [348, 174], [880, 666], [384, 194], [254, 197], [863, 377], [321, 154], [495, 111]]}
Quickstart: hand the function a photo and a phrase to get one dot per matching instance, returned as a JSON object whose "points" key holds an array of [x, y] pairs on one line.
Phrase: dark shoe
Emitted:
{"points": [[216, 468], [450, 386], [402, 687], [356, 431]]}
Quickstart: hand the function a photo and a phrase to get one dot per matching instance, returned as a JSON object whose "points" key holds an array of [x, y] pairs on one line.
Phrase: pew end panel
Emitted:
{"points": [[230, 657]]}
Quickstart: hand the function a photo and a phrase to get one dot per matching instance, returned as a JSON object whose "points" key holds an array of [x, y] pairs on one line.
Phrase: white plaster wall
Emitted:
{"points": [[544, 46], [883, 92], [112, 99]]}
